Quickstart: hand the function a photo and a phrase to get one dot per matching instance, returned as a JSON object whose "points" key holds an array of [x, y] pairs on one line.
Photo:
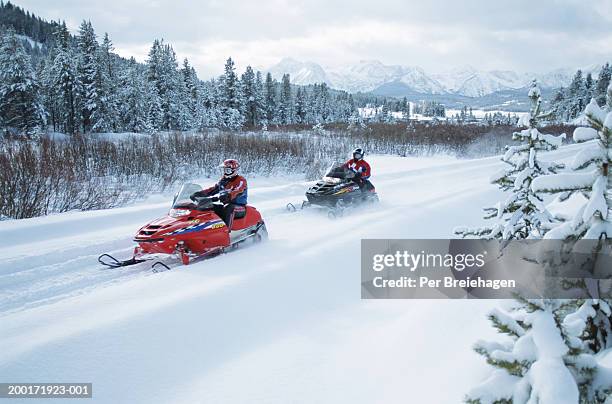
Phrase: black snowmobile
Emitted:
{"points": [[337, 191]]}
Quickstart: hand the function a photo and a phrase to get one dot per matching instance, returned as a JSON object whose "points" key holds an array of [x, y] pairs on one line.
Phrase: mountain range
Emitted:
{"points": [[395, 80]]}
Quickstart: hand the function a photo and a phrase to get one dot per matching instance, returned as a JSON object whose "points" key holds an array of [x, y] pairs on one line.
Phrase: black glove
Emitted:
{"points": [[194, 196], [214, 199], [224, 197]]}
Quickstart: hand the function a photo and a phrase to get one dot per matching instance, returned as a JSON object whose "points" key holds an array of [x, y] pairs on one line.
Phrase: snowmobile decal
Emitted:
{"points": [[214, 224]]}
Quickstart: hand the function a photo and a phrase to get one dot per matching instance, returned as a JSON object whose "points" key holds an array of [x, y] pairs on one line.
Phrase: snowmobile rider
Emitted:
{"points": [[361, 168], [232, 191]]}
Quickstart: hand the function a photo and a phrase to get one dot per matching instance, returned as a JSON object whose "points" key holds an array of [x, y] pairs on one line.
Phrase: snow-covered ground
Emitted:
{"points": [[278, 322]]}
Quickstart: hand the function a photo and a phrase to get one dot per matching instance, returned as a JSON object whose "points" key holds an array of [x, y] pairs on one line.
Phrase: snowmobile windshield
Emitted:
{"points": [[181, 200], [337, 170]]}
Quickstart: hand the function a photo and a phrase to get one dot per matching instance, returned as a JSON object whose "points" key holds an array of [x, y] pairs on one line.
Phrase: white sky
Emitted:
{"points": [[522, 35]]}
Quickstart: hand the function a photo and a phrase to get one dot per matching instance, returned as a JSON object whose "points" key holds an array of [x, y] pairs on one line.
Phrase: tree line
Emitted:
{"points": [[569, 102], [81, 86]]}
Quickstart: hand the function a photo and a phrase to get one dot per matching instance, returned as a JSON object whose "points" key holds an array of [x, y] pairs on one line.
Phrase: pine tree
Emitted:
{"points": [[210, 112], [191, 97], [603, 81], [134, 99], [270, 97], [523, 214], [300, 106], [249, 93], [156, 117], [164, 75], [231, 97], [552, 354], [260, 101], [577, 95], [90, 78], [589, 85], [285, 107], [109, 108], [21, 106], [594, 220], [544, 359], [324, 104], [65, 82]]}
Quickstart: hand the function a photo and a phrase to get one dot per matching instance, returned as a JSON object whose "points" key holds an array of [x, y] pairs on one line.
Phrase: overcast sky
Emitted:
{"points": [[523, 35]]}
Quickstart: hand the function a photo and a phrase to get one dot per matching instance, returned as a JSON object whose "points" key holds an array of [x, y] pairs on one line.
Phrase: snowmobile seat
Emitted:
{"points": [[239, 212]]}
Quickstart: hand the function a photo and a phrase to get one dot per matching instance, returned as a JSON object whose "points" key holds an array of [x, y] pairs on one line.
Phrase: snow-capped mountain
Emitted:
{"points": [[369, 75], [363, 76], [302, 73]]}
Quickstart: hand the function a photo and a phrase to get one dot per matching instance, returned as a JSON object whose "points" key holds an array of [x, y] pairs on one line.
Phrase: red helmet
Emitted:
{"points": [[230, 167]]}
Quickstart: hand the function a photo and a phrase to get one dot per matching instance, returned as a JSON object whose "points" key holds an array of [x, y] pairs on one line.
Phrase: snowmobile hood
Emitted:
{"points": [[169, 226]]}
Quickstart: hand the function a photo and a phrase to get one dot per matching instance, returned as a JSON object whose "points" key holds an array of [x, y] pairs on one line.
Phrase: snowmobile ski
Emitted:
{"points": [[112, 262]]}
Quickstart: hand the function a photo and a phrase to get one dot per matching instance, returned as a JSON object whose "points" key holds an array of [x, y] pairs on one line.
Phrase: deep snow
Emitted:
{"points": [[278, 322]]}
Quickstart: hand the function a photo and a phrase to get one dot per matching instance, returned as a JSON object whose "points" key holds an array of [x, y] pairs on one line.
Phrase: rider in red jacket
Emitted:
{"points": [[361, 168], [231, 188]]}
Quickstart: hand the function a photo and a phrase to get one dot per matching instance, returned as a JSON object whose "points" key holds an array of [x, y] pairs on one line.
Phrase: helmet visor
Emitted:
{"points": [[228, 170], [357, 155]]}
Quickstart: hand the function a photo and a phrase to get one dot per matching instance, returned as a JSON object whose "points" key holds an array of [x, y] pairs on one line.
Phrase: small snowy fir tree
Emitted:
{"points": [[522, 215], [544, 359]]}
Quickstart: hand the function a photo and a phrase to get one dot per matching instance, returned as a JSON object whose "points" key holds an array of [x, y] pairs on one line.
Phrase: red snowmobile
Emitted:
{"points": [[192, 230]]}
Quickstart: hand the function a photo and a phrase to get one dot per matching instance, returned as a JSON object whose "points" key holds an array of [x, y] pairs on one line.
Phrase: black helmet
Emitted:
{"points": [[358, 153]]}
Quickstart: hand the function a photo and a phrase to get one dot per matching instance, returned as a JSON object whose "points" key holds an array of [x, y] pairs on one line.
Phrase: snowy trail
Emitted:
{"points": [[279, 322]]}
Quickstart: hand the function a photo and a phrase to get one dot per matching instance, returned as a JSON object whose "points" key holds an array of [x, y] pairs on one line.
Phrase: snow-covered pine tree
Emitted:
{"points": [[209, 112], [522, 215], [191, 98], [576, 96], [155, 110], [21, 105], [543, 360], [231, 97], [576, 331], [324, 104], [285, 107], [164, 74], [260, 100], [134, 99], [65, 83], [593, 220], [90, 78], [320, 103], [300, 105], [270, 97], [603, 81], [590, 177], [109, 70], [248, 91], [589, 85]]}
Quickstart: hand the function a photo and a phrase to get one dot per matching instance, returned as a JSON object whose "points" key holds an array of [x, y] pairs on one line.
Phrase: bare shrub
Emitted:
{"points": [[41, 176]]}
